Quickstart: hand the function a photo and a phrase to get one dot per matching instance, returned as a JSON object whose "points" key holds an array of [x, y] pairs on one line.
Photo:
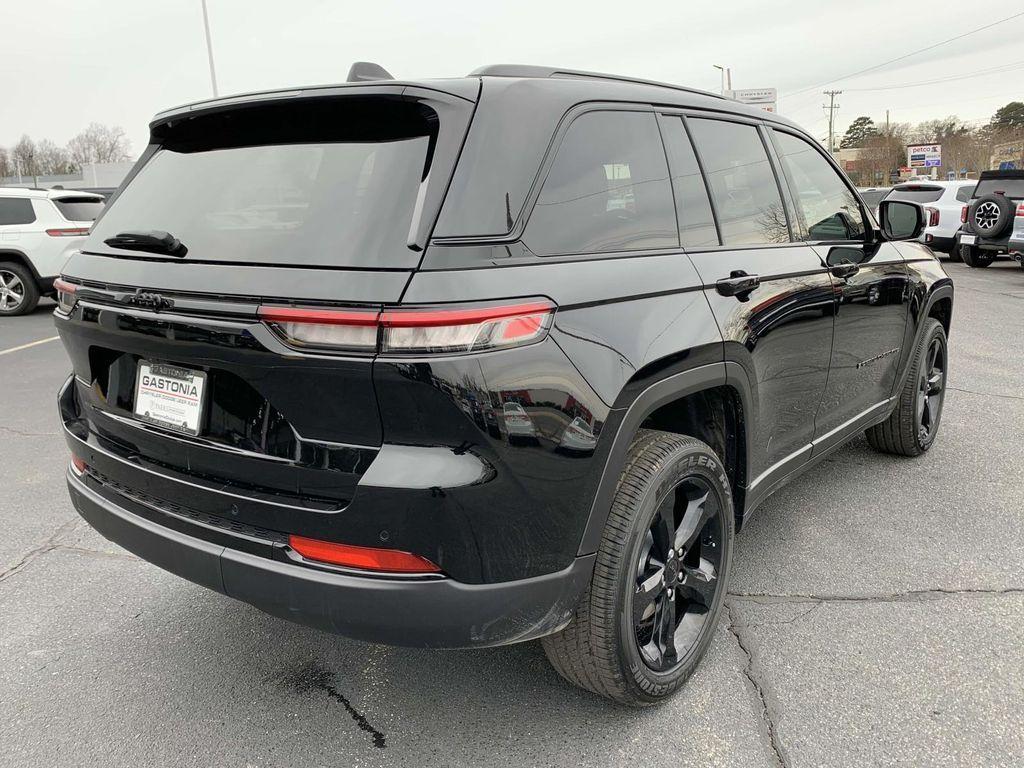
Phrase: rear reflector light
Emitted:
{"points": [[963, 215], [68, 232], [412, 330], [933, 216], [78, 466], [66, 294], [1020, 209], [365, 558]]}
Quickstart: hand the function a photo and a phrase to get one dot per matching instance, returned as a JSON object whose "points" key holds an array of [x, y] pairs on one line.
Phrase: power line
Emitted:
{"points": [[991, 71], [904, 56]]}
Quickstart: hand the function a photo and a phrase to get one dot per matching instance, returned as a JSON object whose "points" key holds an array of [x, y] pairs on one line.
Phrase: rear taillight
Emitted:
{"points": [[364, 558], [341, 330], [412, 330], [66, 294], [68, 232], [1020, 209], [933, 216], [963, 215]]}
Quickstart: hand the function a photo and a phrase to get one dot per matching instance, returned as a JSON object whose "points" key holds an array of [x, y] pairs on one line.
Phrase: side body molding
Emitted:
{"points": [[649, 400]]}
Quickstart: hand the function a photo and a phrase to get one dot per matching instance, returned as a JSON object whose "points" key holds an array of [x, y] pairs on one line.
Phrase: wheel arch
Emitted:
{"points": [[19, 257], [673, 404]]}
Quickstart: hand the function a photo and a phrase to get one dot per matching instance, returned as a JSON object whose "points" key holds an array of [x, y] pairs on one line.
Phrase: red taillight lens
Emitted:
{"points": [[464, 330], [933, 216], [68, 232], [412, 330], [66, 294], [1020, 209], [343, 330], [963, 215], [365, 558], [78, 466]]}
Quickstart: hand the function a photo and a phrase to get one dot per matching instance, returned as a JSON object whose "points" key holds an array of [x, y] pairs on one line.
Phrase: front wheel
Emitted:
{"points": [[19, 293], [914, 425], [660, 577]]}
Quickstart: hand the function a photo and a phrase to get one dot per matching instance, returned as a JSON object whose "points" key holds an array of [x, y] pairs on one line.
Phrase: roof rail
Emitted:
{"points": [[530, 70]]}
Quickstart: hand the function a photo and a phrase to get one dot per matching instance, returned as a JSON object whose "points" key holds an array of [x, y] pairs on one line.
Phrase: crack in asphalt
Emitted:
{"points": [[985, 394], [759, 689], [48, 545], [24, 433], [313, 676], [892, 597]]}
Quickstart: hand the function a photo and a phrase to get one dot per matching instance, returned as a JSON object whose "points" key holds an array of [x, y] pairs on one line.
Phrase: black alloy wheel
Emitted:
{"points": [[677, 575], [931, 388]]}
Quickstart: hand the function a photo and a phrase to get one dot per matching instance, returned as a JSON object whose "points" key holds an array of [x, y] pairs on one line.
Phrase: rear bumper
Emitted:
{"points": [[939, 242], [418, 612]]}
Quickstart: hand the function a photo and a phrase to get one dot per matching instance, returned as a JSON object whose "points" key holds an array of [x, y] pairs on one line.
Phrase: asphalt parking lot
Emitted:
{"points": [[876, 618]]}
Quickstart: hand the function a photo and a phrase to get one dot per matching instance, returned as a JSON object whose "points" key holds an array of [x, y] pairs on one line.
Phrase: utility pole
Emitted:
{"points": [[831, 107], [209, 49]]}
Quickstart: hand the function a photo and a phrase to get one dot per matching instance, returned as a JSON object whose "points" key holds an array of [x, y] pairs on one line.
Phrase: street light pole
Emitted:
{"points": [[722, 70], [209, 49]]}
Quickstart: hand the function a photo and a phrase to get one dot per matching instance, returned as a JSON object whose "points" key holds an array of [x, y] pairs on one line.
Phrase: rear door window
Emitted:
{"points": [[827, 206], [79, 208], [608, 189], [746, 194], [963, 194], [318, 185], [693, 208], [1006, 186], [16, 210]]}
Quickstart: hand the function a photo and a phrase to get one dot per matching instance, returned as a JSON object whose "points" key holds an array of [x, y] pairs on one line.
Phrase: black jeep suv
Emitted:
{"points": [[993, 220], [469, 362]]}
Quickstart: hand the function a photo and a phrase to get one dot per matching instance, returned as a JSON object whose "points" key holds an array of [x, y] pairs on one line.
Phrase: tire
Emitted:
{"points": [[954, 254], [605, 648], [973, 257], [912, 427], [19, 293]]}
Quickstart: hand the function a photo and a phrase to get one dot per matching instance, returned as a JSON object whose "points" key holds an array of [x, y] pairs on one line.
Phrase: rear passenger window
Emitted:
{"points": [[696, 222], [608, 189], [964, 194], [746, 195], [16, 210], [829, 208]]}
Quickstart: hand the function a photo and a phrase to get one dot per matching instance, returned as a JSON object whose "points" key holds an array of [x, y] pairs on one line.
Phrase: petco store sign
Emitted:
{"points": [[924, 155]]}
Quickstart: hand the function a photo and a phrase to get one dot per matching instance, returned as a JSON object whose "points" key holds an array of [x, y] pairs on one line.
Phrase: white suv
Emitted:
{"points": [[943, 202], [38, 230]]}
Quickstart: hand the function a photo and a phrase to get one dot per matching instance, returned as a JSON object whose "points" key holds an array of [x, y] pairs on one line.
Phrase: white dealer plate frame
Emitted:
{"points": [[968, 239], [170, 396]]}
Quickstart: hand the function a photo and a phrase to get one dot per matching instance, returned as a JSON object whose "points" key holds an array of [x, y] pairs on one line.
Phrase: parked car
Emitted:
{"points": [[269, 390], [38, 229], [518, 423], [943, 201], [872, 196], [993, 220]]}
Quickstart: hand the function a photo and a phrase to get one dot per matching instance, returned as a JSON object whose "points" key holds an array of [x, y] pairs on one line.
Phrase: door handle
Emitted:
{"points": [[738, 284], [846, 269]]}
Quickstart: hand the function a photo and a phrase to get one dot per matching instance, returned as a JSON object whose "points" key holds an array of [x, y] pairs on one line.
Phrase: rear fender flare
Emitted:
{"points": [[670, 388]]}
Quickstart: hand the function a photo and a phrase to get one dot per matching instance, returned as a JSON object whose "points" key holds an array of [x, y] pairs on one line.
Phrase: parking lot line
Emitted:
{"points": [[26, 346]]}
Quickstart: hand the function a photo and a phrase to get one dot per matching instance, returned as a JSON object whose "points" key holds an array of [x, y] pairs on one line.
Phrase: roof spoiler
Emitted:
{"points": [[365, 71]]}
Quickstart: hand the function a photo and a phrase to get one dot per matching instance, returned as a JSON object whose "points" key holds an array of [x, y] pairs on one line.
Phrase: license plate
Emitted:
{"points": [[968, 239], [169, 396]]}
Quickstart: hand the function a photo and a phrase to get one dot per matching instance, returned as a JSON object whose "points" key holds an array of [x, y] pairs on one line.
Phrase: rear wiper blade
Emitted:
{"points": [[153, 241]]}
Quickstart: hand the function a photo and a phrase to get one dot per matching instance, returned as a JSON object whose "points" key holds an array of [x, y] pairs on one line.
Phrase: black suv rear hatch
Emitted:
{"points": [[322, 197]]}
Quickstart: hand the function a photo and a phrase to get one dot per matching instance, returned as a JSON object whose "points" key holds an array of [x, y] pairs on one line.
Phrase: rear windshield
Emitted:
{"points": [[915, 193], [79, 208], [330, 184], [873, 196], [1008, 187]]}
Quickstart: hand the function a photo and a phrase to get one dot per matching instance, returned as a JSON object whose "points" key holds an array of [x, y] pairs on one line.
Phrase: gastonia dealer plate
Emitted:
{"points": [[169, 396]]}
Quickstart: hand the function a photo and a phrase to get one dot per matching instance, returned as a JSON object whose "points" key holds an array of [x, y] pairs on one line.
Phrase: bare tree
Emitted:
{"points": [[23, 155], [99, 144], [52, 160], [6, 166]]}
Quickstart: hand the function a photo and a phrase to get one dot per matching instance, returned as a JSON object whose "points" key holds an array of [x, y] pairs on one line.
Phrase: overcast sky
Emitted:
{"points": [[66, 63]]}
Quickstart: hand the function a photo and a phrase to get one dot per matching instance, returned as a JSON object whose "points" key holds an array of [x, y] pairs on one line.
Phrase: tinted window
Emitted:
{"points": [[79, 208], [334, 186], [963, 194], [607, 190], [16, 210], [747, 198], [915, 193], [829, 208], [1010, 187], [874, 196], [696, 222]]}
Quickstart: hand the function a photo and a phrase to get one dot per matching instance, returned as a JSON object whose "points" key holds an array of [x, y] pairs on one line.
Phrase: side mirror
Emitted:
{"points": [[901, 219]]}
